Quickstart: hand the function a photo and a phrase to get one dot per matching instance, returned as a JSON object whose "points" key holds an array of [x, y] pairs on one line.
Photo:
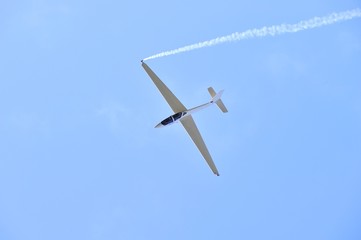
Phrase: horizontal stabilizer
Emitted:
{"points": [[217, 99]]}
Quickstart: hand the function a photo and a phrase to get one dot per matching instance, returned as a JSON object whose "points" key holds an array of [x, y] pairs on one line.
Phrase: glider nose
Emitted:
{"points": [[159, 125]]}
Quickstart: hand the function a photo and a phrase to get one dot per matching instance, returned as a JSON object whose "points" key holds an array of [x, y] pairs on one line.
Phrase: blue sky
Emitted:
{"points": [[79, 155]]}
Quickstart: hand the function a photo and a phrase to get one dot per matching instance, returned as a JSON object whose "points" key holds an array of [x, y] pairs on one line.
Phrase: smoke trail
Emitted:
{"points": [[267, 31]]}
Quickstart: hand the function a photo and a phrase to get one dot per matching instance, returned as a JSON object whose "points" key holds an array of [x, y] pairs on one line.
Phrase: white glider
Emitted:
{"points": [[183, 114]]}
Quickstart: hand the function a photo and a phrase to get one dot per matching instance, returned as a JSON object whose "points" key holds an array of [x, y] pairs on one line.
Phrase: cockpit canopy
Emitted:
{"points": [[173, 118]]}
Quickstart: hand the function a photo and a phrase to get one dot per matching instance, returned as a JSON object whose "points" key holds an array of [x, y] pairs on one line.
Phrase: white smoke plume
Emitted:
{"points": [[267, 31]]}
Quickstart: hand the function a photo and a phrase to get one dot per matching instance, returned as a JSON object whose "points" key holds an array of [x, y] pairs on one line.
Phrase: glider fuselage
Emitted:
{"points": [[178, 116]]}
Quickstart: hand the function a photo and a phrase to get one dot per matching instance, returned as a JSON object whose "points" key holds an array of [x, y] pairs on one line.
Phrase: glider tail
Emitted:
{"points": [[217, 99]]}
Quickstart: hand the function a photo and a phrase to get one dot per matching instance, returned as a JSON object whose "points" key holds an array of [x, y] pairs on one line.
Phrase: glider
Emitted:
{"points": [[184, 115]]}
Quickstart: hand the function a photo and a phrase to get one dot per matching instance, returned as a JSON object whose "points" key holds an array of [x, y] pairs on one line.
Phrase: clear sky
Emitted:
{"points": [[79, 155]]}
